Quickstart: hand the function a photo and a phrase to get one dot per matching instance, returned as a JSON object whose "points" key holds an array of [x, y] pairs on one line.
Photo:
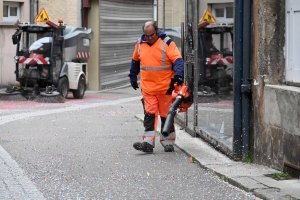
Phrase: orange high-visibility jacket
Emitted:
{"points": [[156, 64]]}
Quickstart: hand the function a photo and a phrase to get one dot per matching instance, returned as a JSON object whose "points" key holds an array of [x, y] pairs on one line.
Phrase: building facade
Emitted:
{"points": [[10, 12], [276, 78], [117, 24], [26, 11]]}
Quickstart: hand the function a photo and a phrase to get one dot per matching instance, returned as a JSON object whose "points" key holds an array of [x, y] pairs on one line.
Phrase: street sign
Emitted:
{"points": [[42, 17], [208, 17]]}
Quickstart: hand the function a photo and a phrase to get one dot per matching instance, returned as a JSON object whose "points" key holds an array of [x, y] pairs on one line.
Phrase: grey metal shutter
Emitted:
{"points": [[121, 24]]}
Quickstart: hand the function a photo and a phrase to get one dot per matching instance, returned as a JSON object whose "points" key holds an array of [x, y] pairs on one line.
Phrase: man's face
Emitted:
{"points": [[151, 34]]}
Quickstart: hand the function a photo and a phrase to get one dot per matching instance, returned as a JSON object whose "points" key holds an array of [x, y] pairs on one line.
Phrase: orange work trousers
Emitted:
{"points": [[154, 106]]}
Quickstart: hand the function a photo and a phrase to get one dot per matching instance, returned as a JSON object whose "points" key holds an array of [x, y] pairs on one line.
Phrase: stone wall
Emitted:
{"points": [[276, 106]]}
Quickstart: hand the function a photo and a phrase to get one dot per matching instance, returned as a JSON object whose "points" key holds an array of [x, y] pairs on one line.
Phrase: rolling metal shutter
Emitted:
{"points": [[121, 24]]}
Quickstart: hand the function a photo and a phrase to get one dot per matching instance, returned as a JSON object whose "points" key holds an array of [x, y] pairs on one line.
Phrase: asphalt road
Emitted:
{"points": [[82, 149]]}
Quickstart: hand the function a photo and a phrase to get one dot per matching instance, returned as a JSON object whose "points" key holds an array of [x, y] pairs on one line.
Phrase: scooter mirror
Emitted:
{"points": [[15, 39]]}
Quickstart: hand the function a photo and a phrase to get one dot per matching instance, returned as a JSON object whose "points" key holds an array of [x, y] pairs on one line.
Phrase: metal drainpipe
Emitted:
{"points": [[196, 63], [163, 15], [238, 70], [31, 11], [246, 86], [82, 14]]}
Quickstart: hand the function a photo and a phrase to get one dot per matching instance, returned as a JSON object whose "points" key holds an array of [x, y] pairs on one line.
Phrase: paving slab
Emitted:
{"points": [[247, 176]]}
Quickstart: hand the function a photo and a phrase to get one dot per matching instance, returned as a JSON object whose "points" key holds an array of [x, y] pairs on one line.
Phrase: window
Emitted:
{"points": [[5, 11], [223, 12], [11, 11], [229, 12], [219, 12], [292, 47]]}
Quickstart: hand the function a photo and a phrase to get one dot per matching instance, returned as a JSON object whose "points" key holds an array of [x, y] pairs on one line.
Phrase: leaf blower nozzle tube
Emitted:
{"points": [[171, 115]]}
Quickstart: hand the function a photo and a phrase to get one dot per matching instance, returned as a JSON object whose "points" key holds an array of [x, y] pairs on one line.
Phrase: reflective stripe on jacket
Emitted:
{"points": [[156, 63]]}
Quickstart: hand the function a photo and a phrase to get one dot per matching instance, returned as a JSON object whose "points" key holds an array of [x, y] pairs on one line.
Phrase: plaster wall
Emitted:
{"points": [[94, 60], [7, 49], [7, 53], [174, 13], [68, 10], [276, 137]]}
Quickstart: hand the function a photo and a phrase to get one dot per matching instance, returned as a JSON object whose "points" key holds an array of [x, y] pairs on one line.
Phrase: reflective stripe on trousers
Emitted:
{"points": [[170, 140], [149, 137]]}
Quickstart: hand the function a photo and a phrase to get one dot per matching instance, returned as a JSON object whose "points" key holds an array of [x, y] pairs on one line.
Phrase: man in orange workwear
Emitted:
{"points": [[160, 64]]}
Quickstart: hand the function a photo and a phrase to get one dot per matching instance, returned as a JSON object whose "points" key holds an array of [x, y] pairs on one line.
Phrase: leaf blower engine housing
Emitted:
{"points": [[182, 100]]}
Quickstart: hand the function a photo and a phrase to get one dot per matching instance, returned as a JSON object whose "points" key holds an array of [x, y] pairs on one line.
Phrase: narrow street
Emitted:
{"points": [[82, 149]]}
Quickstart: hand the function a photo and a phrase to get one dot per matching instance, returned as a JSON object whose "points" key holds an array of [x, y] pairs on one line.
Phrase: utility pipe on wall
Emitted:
{"points": [[82, 14], [31, 11], [238, 64], [242, 90], [155, 7], [246, 86], [163, 15]]}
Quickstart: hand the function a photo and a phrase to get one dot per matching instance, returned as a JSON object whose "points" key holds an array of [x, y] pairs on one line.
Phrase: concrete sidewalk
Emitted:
{"points": [[249, 177], [14, 184]]}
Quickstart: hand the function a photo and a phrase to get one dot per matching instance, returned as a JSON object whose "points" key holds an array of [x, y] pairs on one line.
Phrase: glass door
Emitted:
{"points": [[207, 52], [191, 61], [209, 73], [215, 84]]}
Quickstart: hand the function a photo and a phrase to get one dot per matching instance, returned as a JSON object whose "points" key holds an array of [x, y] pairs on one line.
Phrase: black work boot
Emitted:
{"points": [[169, 148], [143, 146]]}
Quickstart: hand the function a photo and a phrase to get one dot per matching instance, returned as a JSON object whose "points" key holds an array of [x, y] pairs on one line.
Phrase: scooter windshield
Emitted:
{"points": [[40, 43]]}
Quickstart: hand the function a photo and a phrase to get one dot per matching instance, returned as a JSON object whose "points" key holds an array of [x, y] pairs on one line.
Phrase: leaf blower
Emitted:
{"points": [[182, 100]]}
